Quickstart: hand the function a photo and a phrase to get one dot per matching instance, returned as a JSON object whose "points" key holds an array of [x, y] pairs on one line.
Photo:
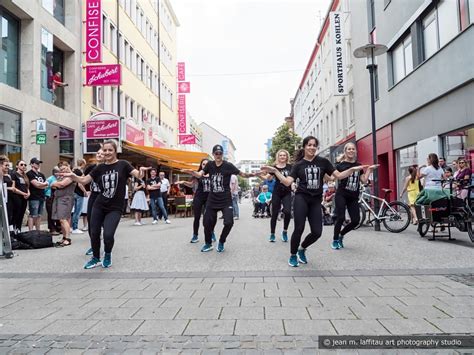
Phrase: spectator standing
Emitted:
{"points": [[79, 193], [8, 183], [54, 226], [234, 189], [153, 185], [139, 204], [264, 198], [442, 163], [463, 178], [36, 200], [21, 194], [165, 190]]}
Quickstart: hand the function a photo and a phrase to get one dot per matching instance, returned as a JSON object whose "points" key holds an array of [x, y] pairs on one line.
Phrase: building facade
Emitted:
{"points": [[195, 130], [40, 41], [140, 35], [317, 109], [425, 83], [211, 137], [251, 166]]}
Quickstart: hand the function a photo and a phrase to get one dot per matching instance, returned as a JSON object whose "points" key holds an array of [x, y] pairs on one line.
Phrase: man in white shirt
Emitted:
{"points": [[165, 190]]}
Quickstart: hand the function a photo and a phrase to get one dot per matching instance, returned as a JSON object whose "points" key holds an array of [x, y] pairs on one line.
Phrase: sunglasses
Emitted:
{"points": [[218, 153], [21, 164]]}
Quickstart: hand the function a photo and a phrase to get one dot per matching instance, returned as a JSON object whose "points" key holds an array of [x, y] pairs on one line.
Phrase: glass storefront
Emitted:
{"points": [[55, 8], [406, 157], [52, 63], [459, 144], [9, 35], [10, 134]]}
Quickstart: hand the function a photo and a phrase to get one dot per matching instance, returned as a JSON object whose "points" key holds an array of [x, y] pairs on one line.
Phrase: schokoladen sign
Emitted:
{"points": [[338, 53]]}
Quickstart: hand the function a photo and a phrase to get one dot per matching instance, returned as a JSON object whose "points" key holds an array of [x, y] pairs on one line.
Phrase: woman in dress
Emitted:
{"points": [[139, 204], [412, 187]]}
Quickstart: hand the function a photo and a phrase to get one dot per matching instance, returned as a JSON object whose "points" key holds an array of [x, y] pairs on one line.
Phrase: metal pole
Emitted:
{"points": [[159, 65], [118, 55], [375, 181]]}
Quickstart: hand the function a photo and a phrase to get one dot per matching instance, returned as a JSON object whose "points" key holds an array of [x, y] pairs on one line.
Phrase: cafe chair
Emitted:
{"points": [[182, 207]]}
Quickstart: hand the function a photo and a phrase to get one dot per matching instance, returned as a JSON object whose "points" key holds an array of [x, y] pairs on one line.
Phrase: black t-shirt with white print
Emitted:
{"points": [[203, 187], [351, 184], [112, 179], [282, 189], [92, 187], [35, 193], [20, 183], [219, 176], [152, 182], [310, 175]]}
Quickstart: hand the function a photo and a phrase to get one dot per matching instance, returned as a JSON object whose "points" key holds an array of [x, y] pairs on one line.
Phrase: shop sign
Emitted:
{"points": [[181, 71], [41, 138], [187, 139], [107, 74], [184, 87], [338, 53], [134, 135], [103, 129], [182, 113], [93, 31]]}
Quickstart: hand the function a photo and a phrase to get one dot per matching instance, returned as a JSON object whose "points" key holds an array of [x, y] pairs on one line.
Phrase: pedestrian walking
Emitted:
{"points": [[21, 193], [220, 197], [139, 203], [347, 194], [153, 185], [412, 188], [54, 226], [36, 200], [79, 194], [432, 173], [111, 177], [165, 191], [310, 170]]}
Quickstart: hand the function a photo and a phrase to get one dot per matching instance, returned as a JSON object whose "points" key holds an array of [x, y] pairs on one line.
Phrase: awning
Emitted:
{"points": [[177, 159]]}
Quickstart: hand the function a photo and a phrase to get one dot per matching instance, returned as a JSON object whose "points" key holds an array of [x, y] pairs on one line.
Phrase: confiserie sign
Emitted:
{"points": [[103, 129], [181, 113], [93, 31], [107, 74]]}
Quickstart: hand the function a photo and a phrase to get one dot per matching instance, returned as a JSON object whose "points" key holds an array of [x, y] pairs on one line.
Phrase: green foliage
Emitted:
{"points": [[243, 183], [284, 138]]}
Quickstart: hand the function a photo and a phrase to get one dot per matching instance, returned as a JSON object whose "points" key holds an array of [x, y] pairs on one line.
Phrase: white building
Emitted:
{"points": [[317, 111], [211, 137], [251, 166]]}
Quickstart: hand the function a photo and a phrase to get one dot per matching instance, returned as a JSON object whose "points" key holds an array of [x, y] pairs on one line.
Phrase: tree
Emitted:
{"points": [[243, 183], [284, 138]]}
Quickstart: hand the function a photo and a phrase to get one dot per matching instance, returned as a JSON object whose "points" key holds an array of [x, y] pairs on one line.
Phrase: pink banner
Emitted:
{"points": [[187, 139], [93, 31], [102, 129], [134, 135], [182, 113], [158, 144], [107, 74], [181, 71], [184, 87]]}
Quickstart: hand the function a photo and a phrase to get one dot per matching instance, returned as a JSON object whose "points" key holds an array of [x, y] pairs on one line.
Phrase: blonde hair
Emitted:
{"points": [[283, 151], [343, 156]]}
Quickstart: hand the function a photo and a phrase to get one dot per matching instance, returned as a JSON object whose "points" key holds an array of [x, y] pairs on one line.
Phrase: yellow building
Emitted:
{"points": [[147, 54]]}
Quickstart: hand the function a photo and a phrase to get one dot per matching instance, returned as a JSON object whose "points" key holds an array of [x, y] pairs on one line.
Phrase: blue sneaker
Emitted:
{"points": [[92, 263], [302, 256], [206, 247], [213, 237], [293, 261], [89, 251], [194, 239], [284, 236], [107, 261], [272, 238], [335, 245], [220, 247], [341, 244]]}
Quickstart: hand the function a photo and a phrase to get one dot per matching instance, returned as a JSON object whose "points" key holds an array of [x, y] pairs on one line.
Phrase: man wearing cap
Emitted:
{"points": [[220, 197], [36, 200]]}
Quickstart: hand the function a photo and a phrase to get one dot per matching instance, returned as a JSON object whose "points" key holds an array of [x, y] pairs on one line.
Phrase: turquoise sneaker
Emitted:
{"points": [[194, 239], [293, 261], [107, 261], [89, 252], [272, 238], [206, 247], [302, 256], [341, 244], [220, 247], [92, 263], [335, 244], [213, 237], [284, 236]]}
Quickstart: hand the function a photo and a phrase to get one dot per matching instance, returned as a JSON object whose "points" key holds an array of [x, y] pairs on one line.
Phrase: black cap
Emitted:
{"points": [[35, 161], [217, 148]]}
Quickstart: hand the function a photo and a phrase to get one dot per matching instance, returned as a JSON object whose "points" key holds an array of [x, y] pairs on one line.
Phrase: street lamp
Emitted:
{"points": [[370, 51]]}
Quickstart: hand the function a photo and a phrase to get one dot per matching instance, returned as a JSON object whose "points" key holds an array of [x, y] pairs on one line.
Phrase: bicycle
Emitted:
{"points": [[394, 215]]}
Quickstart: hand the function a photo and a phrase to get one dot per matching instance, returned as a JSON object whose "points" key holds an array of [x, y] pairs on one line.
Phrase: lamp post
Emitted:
{"points": [[370, 51]]}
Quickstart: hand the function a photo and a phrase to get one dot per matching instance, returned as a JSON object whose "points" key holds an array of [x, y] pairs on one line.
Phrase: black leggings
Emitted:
{"points": [[19, 206], [306, 206], [90, 204], [210, 220], [107, 219], [199, 204], [277, 202], [352, 204]]}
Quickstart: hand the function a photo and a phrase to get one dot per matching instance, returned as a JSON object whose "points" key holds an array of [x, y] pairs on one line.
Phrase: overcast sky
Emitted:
{"points": [[245, 60]]}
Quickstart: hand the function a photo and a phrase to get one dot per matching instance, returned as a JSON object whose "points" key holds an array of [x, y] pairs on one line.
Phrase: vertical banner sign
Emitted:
{"points": [[93, 31], [184, 87], [181, 71], [338, 54], [182, 113]]}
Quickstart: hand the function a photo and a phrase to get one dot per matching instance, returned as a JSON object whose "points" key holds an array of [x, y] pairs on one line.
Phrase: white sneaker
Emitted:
{"points": [[85, 229], [137, 224], [77, 231], [154, 222], [168, 221]]}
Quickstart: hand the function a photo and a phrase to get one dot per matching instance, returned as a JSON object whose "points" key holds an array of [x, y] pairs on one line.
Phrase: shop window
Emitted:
{"points": [[55, 8], [9, 34], [66, 142], [10, 134], [52, 69], [459, 144], [406, 157]]}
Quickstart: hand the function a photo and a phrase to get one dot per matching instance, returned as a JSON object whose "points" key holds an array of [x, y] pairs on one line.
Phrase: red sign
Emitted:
{"points": [[134, 135], [158, 144], [107, 74], [187, 139], [93, 31], [184, 87], [102, 129], [182, 113], [181, 71]]}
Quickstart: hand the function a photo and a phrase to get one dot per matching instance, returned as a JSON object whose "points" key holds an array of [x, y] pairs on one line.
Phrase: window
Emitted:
{"points": [[471, 11], [114, 99], [126, 54], [132, 108], [351, 108], [136, 18], [138, 70], [402, 60], [55, 8], [104, 30], [113, 38], [122, 48], [10, 129], [52, 65], [98, 96], [344, 114], [9, 35], [338, 123], [430, 35], [132, 57], [447, 20]]}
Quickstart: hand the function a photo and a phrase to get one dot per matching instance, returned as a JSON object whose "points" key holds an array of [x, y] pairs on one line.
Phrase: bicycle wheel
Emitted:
{"points": [[362, 214], [423, 228], [396, 217], [470, 232]]}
